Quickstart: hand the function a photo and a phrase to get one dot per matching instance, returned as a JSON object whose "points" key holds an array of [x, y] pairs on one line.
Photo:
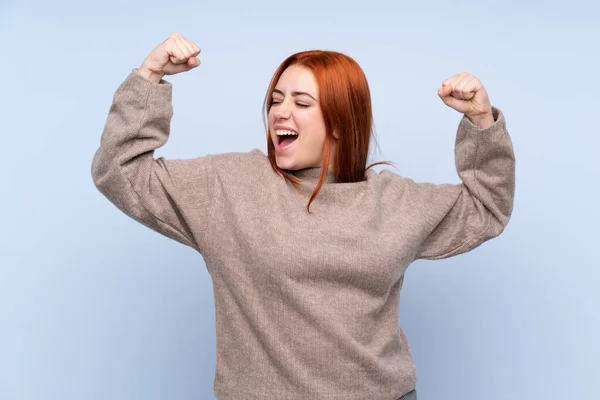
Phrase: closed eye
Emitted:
{"points": [[275, 102]]}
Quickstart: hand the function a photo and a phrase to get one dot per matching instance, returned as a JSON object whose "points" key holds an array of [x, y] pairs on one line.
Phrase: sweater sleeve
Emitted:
{"points": [[172, 197], [460, 217]]}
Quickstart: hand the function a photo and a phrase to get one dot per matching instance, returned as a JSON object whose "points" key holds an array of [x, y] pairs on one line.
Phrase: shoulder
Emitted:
{"points": [[246, 158], [248, 165], [419, 195], [388, 181]]}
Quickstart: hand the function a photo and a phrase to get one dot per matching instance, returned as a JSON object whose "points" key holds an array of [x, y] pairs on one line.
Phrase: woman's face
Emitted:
{"points": [[296, 110]]}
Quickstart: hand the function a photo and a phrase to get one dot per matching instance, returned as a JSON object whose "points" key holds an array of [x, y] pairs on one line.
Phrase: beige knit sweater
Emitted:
{"points": [[306, 304]]}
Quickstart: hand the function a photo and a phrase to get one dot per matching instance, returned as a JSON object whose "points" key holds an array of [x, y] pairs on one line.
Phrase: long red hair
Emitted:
{"points": [[345, 102]]}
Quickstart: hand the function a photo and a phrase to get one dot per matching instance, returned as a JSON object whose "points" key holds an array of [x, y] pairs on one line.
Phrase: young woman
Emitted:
{"points": [[306, 246]]}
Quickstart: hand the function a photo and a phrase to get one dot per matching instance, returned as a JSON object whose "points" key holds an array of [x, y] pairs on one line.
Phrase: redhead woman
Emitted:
{"points": [[306, 245]]}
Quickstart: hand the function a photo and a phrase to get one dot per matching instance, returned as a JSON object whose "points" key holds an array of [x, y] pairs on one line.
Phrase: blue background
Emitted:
{"points": [[94, 305]]}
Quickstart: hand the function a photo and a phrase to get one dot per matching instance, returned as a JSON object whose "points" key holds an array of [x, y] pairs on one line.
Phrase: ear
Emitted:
{"points": [[336, 135]]}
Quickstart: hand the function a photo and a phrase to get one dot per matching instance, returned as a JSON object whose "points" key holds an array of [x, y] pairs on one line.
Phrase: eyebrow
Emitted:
{"points": [[294, 93]]}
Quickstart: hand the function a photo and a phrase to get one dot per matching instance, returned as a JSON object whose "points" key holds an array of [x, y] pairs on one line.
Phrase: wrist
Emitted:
{"points": [[482, 121], [149, 75]]}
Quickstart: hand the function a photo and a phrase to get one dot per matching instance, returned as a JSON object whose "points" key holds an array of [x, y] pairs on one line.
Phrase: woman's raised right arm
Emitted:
{"points": [[172, 197]]}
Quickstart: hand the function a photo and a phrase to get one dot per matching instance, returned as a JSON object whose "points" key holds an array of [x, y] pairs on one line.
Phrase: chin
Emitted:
{"points": [[286, 163]]}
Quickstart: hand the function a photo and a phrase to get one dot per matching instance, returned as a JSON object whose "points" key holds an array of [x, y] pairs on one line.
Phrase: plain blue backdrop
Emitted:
{"points": [[94, 305]]}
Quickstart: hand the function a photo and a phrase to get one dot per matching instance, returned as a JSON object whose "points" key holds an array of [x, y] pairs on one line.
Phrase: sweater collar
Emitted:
{"points": [[312, 175]]}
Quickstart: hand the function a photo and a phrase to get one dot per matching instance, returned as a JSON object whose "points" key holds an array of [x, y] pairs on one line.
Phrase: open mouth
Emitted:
{"points": [[285, 138], [284, 141]]}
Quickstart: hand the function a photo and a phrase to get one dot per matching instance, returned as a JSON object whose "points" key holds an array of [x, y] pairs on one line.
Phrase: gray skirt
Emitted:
{"points": [[412, 395]]}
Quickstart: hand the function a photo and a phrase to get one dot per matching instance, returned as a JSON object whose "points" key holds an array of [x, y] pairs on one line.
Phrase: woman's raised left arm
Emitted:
{"points": [[459, 217]]}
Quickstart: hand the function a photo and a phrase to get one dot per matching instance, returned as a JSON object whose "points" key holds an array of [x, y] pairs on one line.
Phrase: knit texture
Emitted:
{"points": [[306, 304]]}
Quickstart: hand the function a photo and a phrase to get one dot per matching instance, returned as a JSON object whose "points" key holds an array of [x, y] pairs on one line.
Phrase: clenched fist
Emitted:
{"points": [[176, 54], [465, 93]]}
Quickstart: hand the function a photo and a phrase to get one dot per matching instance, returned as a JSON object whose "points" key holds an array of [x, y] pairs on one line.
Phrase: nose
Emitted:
{"points": [[283, 110]]}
